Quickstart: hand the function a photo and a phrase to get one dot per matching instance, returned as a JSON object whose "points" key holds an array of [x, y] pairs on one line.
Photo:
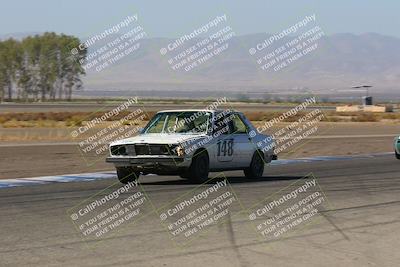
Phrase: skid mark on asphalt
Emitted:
{"points": [[81, 177], [328, 158]]}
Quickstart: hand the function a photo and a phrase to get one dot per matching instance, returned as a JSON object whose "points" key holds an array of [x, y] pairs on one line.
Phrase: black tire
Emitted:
{"points": [[397, 155], [127, 174], [184, 175], [200, 167], [256, 168]]}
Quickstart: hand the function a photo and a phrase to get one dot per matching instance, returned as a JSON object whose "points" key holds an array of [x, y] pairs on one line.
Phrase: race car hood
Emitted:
{"points": [[159, 139]]}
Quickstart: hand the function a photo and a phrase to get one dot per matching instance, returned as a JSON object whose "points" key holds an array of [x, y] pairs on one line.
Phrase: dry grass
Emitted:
{"points": [[330, 116], [70, 119], [54, 119], [267, 116]]}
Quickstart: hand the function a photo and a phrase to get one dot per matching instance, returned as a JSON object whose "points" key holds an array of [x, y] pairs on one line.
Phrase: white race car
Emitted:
{"points": [[191, 143], [397, 147]]}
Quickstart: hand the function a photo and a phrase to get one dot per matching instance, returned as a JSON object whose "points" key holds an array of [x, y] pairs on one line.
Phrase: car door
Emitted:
{"points": [[222, 144], [243, 146]]}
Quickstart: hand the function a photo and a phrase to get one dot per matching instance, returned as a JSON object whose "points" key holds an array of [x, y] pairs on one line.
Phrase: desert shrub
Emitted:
{"points": [[365, 117]]}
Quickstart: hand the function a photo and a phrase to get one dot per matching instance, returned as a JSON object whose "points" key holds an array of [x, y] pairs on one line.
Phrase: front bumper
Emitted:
{"points": [[149, 162]]}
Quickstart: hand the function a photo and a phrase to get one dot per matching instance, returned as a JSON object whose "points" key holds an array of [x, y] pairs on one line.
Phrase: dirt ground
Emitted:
{"points": [[47, 156]]}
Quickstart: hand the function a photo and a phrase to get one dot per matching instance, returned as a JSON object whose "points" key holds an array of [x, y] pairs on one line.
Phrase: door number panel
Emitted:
{"points": [[225, 150]]}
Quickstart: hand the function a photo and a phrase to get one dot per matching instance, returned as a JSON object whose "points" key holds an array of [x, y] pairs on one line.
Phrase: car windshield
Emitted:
{"points": [[187, 122]]}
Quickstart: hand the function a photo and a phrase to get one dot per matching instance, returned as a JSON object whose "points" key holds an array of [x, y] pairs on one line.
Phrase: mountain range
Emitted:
{"points": [[339, 62]]}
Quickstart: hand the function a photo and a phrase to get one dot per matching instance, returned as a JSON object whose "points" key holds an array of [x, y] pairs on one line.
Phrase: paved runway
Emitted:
{"points": [[357, 225]]}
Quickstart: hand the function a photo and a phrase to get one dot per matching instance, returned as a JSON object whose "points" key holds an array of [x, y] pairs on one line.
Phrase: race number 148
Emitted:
{"points": [[225, 148]]}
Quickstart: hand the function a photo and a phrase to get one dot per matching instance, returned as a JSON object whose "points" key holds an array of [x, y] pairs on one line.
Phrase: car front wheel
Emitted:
{"points": [[184, 175], [256, 168], [397, 155], [199, 169], [127, 174]]}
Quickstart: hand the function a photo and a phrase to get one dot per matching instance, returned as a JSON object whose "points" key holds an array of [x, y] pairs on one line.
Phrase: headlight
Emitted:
{"points": [[180, 152], [118, 150], [176, 150]]}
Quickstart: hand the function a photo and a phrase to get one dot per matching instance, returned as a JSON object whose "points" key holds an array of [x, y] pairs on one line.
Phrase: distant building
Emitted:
{"points": [[367, 101], [364, 108]]}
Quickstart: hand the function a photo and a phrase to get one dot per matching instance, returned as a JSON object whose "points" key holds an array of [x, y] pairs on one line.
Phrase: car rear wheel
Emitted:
{"points": [[397, 155], [200, 167], [127, 174], [256, 168]]}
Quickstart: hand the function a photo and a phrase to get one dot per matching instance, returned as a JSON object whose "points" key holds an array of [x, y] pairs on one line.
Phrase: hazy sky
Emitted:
{"points": [[173, 18]]}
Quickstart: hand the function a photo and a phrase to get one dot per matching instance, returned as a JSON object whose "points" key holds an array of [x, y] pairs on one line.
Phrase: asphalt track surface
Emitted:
{"points": [[357, 226]]}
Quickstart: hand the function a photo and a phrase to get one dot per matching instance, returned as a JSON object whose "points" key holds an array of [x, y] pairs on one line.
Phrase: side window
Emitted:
{"points": [[202, 123], [238, 125], [221, 125]]}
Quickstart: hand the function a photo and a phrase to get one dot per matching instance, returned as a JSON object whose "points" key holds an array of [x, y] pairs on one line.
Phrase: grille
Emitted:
{"points": [[142, 149], [146, 149], [130, 150]]}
